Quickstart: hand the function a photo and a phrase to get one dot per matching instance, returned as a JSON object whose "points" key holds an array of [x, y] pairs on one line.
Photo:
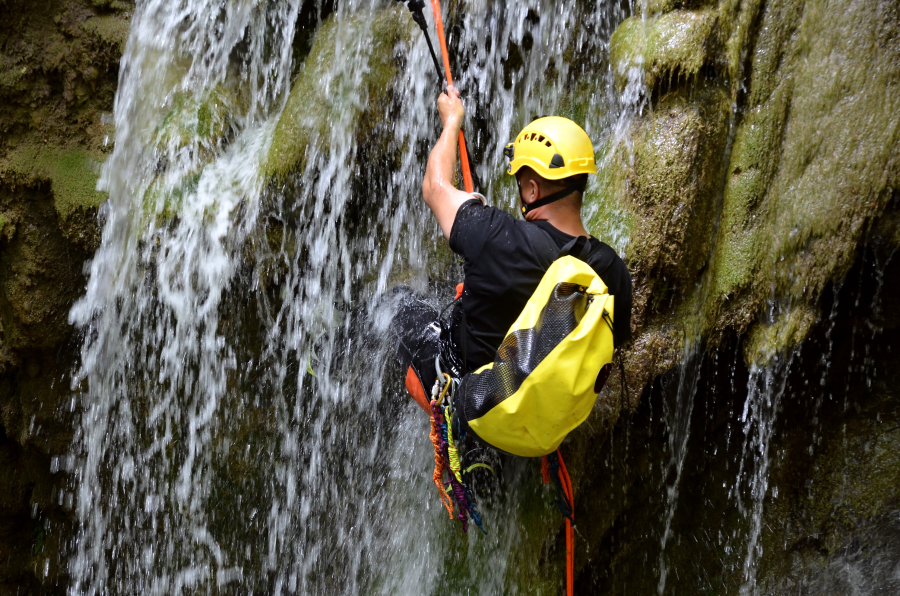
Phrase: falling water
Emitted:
{"points": [[678, 424], [765, 390], [243, 426]]}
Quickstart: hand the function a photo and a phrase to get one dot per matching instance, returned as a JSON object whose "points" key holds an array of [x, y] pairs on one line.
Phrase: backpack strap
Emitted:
{"points": [[578, 247]]}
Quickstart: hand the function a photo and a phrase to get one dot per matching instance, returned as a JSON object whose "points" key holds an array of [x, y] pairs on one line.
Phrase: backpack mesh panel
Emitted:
{"points": [[522, 350]]}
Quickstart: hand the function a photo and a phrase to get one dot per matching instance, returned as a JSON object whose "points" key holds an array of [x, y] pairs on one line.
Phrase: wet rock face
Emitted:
{"points": [[673, 184], [788, 474], [815, 155], [58, 71], [753, 198], [799, 185]]}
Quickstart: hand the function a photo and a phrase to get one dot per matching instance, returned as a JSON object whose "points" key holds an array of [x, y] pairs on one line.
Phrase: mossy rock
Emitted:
{"points": [[73, 175], [109, 29], [203, 119], [118, 5], [606, 212], [672, 186], [7, 227], [12, 75], [814, 162], [677, 43], [654, 7], [198, 126], [764, 341], [322, 99]]}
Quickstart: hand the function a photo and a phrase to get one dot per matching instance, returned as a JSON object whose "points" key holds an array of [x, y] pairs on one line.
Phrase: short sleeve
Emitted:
{"points": [[473, 225]]}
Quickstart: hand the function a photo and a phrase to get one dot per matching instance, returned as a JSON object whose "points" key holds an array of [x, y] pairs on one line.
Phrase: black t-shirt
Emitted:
{"points": [[502, 270]]}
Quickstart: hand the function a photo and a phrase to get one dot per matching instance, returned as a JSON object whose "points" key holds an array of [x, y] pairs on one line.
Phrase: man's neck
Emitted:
{"points": [[565, 221]]}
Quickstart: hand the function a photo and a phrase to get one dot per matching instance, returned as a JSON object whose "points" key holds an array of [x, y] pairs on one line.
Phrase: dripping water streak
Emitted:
{"points": [[678, 428]]}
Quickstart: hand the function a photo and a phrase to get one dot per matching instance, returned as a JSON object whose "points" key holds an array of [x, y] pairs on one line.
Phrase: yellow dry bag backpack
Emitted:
{"points": [[541, 384]]}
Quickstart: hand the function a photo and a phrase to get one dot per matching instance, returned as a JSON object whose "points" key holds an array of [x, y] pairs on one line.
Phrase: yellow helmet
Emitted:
{"points": [[554, 147]]}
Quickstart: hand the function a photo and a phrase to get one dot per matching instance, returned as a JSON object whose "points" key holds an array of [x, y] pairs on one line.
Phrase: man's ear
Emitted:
{"points": [[531, 190]]}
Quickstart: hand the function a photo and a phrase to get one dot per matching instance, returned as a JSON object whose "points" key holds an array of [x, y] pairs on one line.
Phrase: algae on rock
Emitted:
{"points": [[669, 182], [321, 98], [674, 44], [815, 157], [195, 129], [73, 174], [58, 75]]}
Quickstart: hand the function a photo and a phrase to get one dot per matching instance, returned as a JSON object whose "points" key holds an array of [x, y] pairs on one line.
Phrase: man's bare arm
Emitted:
{"points": [[440, 195]]}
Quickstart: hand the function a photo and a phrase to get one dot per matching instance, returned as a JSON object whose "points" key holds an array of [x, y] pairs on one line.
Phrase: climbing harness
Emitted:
{"points": [[451, 471], [553, 467], [415, 7]]}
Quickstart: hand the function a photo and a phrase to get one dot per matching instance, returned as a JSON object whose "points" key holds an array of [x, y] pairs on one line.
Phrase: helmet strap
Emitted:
{"points": [[526, 208]]}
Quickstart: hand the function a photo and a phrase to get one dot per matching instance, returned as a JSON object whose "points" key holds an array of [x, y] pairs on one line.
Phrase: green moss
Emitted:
{"points": [[627, 47], [164, 201], [199, 123], [109, 29], [754, 161], [605, 212], [790, 328], [113, 4], [672, 183], [656, 6], [676, 43], [73, 175], [11, 74], [322, 99], [7, 227], [814, 160]]}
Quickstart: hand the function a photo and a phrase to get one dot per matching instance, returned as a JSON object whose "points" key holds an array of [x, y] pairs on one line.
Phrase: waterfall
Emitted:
{"points": [[243, 426]]}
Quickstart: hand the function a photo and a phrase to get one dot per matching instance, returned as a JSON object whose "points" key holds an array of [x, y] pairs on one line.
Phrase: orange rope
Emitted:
{"points": [[439, 464], [463, 154], [570, 532]]}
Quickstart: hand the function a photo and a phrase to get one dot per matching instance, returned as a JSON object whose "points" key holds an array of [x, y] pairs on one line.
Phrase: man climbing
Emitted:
{"points": [[504, 257]]}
